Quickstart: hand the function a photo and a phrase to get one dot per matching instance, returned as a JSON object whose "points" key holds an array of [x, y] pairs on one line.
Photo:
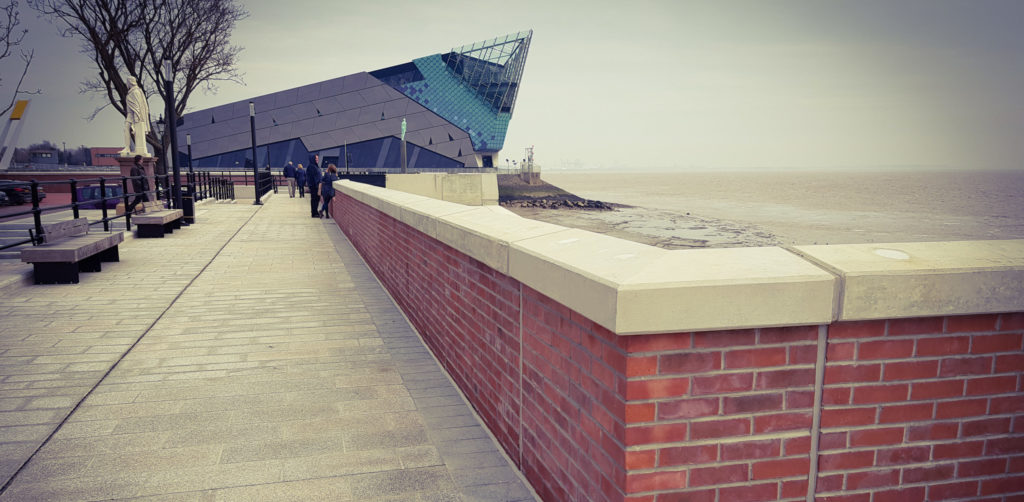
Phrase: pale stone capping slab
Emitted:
{"points": [[424, 214], [389, 202], [925, 278], [485, 233], [712, 289], [579, 269]]}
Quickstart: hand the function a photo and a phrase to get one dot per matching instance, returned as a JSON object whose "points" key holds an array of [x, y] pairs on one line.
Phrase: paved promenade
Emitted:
{"points": [[252, 356]]}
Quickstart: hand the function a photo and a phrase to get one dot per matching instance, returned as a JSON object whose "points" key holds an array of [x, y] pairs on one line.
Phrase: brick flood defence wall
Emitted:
{"points": [[915, 408]]}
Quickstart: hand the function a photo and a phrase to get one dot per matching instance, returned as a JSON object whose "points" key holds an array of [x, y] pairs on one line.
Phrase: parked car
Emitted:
{"points": [[4, 200], [20, 192], [89, 197]]}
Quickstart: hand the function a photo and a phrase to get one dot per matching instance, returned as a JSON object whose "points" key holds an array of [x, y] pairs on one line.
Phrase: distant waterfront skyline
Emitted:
{"points": [[662, 84]]}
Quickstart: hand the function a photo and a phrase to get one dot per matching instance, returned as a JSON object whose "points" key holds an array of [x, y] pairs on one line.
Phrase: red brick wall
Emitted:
{"points": [[924, 409], [723, 414], [917, 409]]}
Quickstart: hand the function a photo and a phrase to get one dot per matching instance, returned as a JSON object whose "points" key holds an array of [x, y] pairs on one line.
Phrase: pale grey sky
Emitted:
{"points": [[652, 84]]}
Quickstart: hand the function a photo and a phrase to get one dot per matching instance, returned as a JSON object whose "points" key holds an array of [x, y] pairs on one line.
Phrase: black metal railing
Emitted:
{"points": [[95, 193]]}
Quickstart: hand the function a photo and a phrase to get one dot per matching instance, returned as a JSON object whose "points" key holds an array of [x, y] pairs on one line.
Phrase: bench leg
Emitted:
{"points": [[90, 264], [150, 230], [169, 228], [176, 224], [55, 273], [109, 254]]}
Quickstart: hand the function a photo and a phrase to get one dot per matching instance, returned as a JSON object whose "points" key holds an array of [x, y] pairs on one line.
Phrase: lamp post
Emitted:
{"points": [[188, 143], [255, 166], [65, 143], [172, 128]]}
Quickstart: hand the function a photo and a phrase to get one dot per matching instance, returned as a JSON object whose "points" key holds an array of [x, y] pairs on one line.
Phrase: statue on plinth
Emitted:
{"points": [[136, 119]]}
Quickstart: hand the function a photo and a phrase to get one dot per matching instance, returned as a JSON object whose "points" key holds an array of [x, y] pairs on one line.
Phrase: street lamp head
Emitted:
{"points": [[160, 125], [252, 109], [168, 76], [188, 139]]}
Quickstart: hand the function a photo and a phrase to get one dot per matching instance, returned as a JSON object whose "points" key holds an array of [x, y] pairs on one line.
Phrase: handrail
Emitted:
{"points": [[201, 184]]}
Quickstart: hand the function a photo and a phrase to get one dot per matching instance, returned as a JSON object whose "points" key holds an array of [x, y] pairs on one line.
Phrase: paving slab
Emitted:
{"points": [[252, 356]]}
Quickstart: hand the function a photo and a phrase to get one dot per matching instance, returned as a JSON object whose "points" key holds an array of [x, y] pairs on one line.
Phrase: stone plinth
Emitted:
{"points": [[149, 164]]}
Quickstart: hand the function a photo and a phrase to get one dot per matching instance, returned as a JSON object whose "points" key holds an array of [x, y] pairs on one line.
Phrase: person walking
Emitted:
{"points": [[327, 189], [300, 180], [140, 185], [289, 176], [313, 176]]}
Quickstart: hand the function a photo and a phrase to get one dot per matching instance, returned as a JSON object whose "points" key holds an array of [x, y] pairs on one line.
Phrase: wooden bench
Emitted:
{"points": [[68, 248], [156, 224]]}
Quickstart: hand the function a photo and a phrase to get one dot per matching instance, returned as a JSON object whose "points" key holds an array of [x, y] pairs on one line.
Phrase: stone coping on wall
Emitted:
{"points": [[631, 288]]}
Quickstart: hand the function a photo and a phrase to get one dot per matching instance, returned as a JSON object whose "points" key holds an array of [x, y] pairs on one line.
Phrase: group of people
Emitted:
{"points": [[319, 183]]}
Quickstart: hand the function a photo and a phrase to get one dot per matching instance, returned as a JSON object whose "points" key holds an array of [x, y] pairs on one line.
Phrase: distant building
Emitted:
{"points": [[44, 156], [457, 106], [104, 156]]}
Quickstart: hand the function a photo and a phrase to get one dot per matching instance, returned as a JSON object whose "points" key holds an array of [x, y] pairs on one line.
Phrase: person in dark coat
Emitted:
{"points": [[140, 185], [289, 177], [300, 180], [313, 176], [327, 189]]}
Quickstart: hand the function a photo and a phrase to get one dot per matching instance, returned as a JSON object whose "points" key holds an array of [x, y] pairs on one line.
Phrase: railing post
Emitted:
{"points": [[103, 192], [124, 194], [37, 216], [74, 197]]}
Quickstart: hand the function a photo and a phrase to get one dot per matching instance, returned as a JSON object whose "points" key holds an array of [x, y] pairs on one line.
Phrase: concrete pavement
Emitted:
{"points": [[252, 356]]}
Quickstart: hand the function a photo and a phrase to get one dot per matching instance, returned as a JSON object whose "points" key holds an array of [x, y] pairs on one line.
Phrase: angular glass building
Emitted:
{"points": [[457, 106]]}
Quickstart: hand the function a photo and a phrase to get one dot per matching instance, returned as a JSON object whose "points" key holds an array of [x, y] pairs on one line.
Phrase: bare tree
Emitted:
{"points": [[131, 37], [10, 39]]}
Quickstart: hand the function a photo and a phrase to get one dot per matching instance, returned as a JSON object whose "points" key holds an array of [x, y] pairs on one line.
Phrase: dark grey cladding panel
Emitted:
{"points": [[280, 133], [455, 132], [241, 109], [308, 92], [323, 124], [328, 105], [317, 141], [396, 107], [414, 107], [331, 87], [364, 132], [392, 92], [351, 100], [265, 119], [468, 160], [341, 137], [197, 118], [303, 127], [303, 111], [223, 112], [375, 94], [418, 121], [390, 127], [347, 118], [235, 142], [263, 136], [435, 120], [357, 81], [370, 113], [417, 138], [448, 149], [263, 104], [285, 98], [286, 115]]}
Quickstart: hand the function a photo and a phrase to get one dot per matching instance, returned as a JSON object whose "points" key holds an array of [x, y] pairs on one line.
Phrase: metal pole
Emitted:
{"points": [[173, 128], [255, 165]]}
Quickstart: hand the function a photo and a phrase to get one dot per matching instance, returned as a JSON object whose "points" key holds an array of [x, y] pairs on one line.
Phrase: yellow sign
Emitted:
{"points": [[19, 109]]}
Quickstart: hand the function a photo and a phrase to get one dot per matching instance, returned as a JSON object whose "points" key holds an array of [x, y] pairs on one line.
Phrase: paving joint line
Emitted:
{"points": [[110, 370]]}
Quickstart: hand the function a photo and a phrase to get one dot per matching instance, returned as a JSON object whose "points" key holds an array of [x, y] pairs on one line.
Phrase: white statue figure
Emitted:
{"points": [[136, 119]]}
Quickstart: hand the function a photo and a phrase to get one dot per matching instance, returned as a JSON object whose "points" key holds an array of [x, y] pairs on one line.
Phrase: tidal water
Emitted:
{"points": [[819, 207]]}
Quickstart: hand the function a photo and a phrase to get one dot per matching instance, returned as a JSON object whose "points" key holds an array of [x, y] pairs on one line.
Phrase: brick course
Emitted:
{"points": [[913, 409]]}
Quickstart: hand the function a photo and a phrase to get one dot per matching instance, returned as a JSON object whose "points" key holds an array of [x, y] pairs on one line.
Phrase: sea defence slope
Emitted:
{"points": [[611, 370]]}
